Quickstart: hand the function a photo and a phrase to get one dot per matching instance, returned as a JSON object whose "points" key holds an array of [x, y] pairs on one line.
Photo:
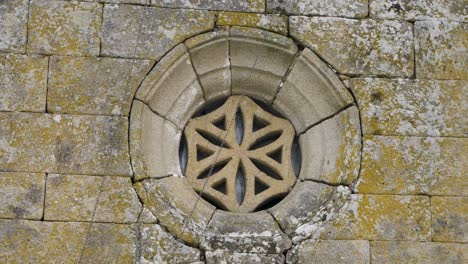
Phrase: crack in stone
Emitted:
{"points": [[326, 118], [288, 72]]}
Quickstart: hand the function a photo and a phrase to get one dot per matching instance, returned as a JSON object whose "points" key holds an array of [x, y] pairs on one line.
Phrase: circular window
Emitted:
{"points": [[240, 156]]}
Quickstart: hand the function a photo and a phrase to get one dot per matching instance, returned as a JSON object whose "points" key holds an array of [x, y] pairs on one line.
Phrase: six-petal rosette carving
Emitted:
{"points": [[239, 156]]}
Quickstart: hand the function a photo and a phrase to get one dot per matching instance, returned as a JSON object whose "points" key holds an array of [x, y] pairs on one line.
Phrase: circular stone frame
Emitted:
{"points": [[264, 66]]}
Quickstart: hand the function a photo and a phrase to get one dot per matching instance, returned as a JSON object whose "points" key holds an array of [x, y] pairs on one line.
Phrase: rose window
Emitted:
{"points": [[239, 155]]}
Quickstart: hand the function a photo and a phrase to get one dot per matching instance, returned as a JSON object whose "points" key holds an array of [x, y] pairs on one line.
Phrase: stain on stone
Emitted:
{"points": [[376, 97], [18, 211], [34, 194], [395, 7], [64, 152]]}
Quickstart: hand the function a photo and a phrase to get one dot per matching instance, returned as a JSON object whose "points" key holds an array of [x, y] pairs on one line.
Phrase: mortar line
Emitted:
{"points": [[27, 28], [47, 86], [45, 195]]}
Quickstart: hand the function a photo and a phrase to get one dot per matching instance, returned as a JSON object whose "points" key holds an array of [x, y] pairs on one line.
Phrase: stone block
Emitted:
{"points": [[259, 61], [22, 195], [216, 257], [331, 251], [91, 198], [167, 94], [301, 205], [270, 22], [14, 20], [147, 32], [97, 86], [177, 207], [65, 28], [227, 5], [381, 217], [33, 142], [249, 233], [440, 48], [337, 8], [418, 252], [331, 150], [311, 92], [210, 58], [454, 10], [23, 82], [412, 107], [449, 219], [412, 165], [154, 144], [355, 47]]}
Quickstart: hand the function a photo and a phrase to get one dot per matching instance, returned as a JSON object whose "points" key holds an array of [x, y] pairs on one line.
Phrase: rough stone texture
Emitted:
{"points": [[249, 233], [167, 94], [149, 32], [158, 246], [413, 165], [274, 23], [259, 61], [419, 10], [338, 8], [381, 217], [345, 252], [100, 86], [91, 198], [217, 257], [33, 142], [355, 47], [311, 92], [78, 33], [441, 50], [332, 149], [147, 217], [227, 5], [209, 54], [14, 19], [449, 219], [412, 107], [154, 144], [23, 82], [301, 205], [418, 253], [186, 216], [22, 195]]}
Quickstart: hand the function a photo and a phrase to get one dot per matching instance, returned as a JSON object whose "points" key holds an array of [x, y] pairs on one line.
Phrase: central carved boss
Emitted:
{"points": [[239, 156]]}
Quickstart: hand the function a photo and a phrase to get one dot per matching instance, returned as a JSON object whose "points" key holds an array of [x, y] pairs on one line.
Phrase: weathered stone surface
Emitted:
{"points": [[169, 95], [441, 50], [412, 107], [419, 10], [227, 5], [449, 219], [249, 233], [259, 61], [23, 82], [330, 251], [381, 217], [412, 165], [209, 54], [91, 198], [275, 23], [301, 205], [147, 217], [149, 32], [216, 257], [154, 144], [14, 19], [331, 150], [22, 195], [371, 47], [338, 8], [33, 142], [58, 242], [100, 86], [158, 246], [176, 206], [66, 28], [311, 92], [418, 252]]}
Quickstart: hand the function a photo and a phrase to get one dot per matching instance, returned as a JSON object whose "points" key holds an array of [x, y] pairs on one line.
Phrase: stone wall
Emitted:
{"points": [[69, 71]]}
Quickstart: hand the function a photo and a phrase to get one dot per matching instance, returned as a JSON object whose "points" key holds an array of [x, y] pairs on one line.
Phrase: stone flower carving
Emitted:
{"points": [[239, 156]]}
